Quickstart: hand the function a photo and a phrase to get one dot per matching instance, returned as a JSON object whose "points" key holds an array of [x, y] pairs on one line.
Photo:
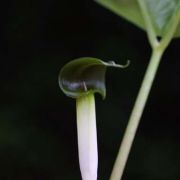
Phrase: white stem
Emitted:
{"points": [[87, 137]]}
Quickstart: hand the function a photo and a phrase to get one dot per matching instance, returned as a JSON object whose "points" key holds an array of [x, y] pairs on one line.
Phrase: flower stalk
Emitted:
{"points": [[87, 136], [81, 79]]}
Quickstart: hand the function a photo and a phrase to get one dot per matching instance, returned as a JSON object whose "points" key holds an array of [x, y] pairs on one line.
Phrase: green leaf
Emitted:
{"points": [[83, 76], [160, 13]]}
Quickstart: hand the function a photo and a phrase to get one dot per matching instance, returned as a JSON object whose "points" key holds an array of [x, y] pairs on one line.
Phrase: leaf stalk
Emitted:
{"points": [[158, 49], [135, 116]]}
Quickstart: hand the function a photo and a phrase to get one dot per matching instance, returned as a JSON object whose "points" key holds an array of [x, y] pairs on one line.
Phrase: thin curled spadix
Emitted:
{"points": [[85, 75]]}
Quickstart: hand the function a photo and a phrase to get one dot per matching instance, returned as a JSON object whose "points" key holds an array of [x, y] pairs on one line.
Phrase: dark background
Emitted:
{"points": [[37, 121]]}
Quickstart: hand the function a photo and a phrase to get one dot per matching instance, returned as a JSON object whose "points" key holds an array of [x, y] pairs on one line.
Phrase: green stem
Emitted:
{"points": [[135, 116], [87, 136], [158, 50]]}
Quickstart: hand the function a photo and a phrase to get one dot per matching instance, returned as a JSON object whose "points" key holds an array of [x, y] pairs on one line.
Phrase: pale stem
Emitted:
{"points": [[87, 137], [158, 50], [135, 117]]}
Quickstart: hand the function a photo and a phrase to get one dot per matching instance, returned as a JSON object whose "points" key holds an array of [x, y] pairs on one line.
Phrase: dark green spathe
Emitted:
{"points": [[83, 76]]}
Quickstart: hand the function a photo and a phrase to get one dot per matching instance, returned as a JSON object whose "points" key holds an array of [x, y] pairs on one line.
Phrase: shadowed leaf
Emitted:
{"points": [[160, 12]]}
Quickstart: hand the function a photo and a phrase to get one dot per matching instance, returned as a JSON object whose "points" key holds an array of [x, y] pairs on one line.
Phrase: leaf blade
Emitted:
{"points": [[160, 12]]}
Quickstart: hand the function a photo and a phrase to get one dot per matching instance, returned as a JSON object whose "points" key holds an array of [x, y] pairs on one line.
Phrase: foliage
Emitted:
{"points": [[159, 11]]}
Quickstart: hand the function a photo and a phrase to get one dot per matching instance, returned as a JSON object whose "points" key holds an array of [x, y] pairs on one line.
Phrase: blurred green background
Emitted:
{"points": [[37, 121]]}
